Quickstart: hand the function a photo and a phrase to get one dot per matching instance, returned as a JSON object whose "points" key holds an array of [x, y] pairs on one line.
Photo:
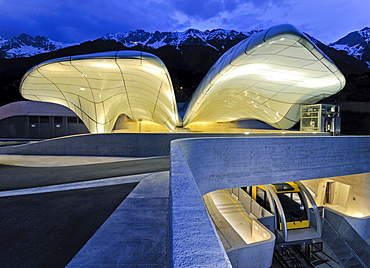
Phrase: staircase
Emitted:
{"points": [[344, 242]]}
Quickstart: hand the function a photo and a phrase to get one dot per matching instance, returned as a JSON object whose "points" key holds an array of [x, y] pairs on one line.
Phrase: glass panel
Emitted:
{"points": [[283, 187], [261, 196], [293, 206]]}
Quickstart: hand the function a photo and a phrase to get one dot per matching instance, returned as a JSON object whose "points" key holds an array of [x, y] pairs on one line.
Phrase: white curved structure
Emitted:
{"points": [[99, 87], [265, 77]]}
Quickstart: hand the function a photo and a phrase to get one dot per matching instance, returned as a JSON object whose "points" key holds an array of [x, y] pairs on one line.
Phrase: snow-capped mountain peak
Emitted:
{"points": [[188, 37], [356, 44], [25, 46], [3, 40]]}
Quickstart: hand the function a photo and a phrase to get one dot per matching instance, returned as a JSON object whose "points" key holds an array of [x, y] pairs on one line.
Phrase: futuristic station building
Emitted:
{"points": [[266, 77], [269, 77]]}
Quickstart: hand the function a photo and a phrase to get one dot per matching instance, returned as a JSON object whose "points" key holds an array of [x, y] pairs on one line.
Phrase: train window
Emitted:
{"points": [[283, 187], [247, 189], [267, 204], [260, 198], [293, 206]]}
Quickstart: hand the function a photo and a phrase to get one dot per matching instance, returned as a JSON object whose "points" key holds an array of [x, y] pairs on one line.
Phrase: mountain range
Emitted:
{"points": [[355, 44], [25, 45]]}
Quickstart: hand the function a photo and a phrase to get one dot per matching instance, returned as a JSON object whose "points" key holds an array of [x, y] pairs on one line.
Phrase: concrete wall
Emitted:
{"points": [[361, 225], [351, 199], [107, 144], [255, 254], [116, 144], [199, 166]]}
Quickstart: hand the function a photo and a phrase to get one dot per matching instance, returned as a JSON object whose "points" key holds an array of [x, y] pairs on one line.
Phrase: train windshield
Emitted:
{"points": [[293, 206]]}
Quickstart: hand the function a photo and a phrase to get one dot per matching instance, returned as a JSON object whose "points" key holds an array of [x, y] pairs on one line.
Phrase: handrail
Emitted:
{"points": [[284, 228]]}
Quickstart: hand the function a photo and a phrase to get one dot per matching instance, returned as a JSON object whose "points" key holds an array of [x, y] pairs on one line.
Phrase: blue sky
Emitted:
{"points": [[76, 21]]}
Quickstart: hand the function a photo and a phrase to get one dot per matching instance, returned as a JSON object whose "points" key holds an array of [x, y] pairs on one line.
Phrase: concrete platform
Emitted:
{"points": [[135, 234]]}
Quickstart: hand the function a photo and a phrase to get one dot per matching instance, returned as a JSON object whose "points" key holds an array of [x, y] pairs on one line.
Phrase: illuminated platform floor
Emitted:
{"points": [[236, 216], [249, 126]]}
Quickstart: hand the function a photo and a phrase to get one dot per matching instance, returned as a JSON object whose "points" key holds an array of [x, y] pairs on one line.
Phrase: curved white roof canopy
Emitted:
{"points": [[99, 87], [265, 77]]}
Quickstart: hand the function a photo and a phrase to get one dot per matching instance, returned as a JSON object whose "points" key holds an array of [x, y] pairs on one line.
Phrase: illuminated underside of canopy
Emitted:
{"points": [[99, 87], [265, 77]]}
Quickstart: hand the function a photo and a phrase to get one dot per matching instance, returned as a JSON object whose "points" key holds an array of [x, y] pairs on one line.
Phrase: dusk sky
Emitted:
{"points": [[76, 21]]}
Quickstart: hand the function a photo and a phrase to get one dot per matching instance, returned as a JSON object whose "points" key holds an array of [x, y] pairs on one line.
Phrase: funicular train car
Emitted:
{"points": [[289, 202], [287, 210]]}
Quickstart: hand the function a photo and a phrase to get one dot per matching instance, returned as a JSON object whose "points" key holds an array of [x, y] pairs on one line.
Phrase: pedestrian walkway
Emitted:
{"points": [[136, 232], [74, 185], [58, 161]]}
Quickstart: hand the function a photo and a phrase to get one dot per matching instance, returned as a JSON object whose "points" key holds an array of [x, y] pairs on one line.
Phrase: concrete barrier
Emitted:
{"points": [[118, 144], [110, 144], [199, 166]]}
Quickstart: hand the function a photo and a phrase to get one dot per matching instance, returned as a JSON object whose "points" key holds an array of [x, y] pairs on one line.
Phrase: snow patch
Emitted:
{"points": [[354, 51]]}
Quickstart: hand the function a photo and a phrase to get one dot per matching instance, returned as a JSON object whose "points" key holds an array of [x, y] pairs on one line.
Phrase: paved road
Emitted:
{"points": [[48, 229], [19, 177]]}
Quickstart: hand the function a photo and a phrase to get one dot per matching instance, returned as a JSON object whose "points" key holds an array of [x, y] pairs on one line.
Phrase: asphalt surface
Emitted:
{"points": [[48, 229], [10, 143], [20, 177]]}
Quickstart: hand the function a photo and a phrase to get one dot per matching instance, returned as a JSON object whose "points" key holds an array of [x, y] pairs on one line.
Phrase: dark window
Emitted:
{"points": [[261, 197], [34, 119], [58, 120], [248, 190], [44, 119], [72, 120], [293, 206]]}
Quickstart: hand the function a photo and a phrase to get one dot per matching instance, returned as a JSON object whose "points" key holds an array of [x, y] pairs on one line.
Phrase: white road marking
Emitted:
{"points": [[75, 185]]}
